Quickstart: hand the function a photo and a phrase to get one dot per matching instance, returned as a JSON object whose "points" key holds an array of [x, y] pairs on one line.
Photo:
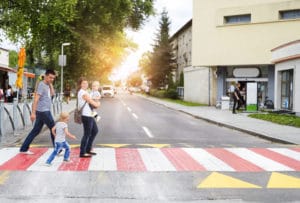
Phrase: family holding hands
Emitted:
{"points": [[41, 114]]}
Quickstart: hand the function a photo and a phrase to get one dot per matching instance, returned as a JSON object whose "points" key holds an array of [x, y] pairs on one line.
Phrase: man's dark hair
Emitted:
{"points": [[50, 72]]}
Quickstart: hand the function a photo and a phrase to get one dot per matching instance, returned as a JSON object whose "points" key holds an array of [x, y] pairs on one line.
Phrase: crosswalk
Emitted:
{"points": [[157, 160]]}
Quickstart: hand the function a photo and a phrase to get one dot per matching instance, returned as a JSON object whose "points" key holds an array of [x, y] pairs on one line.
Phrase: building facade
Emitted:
{"points": [[181, 43], [232, 42]]}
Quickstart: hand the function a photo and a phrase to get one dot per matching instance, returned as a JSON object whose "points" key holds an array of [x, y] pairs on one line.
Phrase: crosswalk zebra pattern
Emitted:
{"points": [[157, 160]]}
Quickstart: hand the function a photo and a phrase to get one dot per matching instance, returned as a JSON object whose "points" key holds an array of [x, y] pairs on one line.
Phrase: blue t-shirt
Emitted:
{"points": [[44, 103]]}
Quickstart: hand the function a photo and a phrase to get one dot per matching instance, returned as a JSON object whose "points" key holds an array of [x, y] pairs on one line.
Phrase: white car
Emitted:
{"points": [[108, 91]]}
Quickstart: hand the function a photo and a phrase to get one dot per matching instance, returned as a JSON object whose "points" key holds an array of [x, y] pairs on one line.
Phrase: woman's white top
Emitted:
{"points": [[86, 109]]}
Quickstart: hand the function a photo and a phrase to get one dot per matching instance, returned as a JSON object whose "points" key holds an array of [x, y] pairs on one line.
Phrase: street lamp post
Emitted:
{"points": [[62, 67]]}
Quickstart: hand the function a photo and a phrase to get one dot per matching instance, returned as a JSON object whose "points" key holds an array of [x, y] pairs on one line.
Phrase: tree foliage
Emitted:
{"points": [[94, 28], [162, 61]]}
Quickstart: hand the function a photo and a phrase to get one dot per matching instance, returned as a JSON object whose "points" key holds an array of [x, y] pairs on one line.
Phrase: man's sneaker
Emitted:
{"points": [[27, 152]]}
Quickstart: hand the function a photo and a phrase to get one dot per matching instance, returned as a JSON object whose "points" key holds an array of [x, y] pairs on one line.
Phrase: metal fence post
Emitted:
{"points": [[15, 118], [1, 118]]}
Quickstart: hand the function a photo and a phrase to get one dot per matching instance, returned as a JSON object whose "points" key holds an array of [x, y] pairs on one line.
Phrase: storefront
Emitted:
{"points": [[261, 77], [287, 76]]}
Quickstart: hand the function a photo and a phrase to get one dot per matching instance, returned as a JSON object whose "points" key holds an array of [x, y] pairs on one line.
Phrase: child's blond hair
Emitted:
{"points": [[96, 83], [63, 116]]}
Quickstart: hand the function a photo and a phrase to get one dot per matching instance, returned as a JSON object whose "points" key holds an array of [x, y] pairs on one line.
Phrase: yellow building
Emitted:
{"points": [[232, 42]]}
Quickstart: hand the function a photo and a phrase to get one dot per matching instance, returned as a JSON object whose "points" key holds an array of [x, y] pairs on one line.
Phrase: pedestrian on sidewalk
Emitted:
{"points": [[60, 131], [90, 128], [41, 113], [237, 98]]}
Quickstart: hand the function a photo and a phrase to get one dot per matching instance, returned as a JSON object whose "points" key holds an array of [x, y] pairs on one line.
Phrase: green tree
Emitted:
{"points": [[162, 61], [13, 59], [94, 28]]}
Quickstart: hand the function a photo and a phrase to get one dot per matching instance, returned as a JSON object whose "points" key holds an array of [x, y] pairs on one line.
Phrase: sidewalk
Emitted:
{"points": [[13, 138], [264, 129]]}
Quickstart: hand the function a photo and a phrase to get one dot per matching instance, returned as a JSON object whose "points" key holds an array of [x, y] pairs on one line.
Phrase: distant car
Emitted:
{"points": [[108, 91]]}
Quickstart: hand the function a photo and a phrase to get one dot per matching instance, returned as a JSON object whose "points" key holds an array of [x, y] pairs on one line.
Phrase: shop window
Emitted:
{"points": [[287, 89], [290, 14], [246, 18]]}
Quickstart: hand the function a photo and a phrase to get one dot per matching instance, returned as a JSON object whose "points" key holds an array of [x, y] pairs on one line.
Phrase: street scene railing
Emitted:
{"points": [[15, 116]]}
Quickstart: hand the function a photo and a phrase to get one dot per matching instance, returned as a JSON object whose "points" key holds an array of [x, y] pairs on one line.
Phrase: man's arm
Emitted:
{"points": [[34, 105], [52, 91]]}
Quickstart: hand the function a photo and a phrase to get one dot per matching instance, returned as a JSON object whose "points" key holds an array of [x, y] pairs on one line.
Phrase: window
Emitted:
{"points": [[246, 18], [291, 14]]}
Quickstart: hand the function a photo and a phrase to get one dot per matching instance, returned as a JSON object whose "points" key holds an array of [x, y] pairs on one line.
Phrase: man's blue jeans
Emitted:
{"points": [[59, 146], [90, 130], [41, 119]]}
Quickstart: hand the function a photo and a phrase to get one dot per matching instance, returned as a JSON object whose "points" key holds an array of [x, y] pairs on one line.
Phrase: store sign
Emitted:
{"points": [[246, 72], [251, 96]]}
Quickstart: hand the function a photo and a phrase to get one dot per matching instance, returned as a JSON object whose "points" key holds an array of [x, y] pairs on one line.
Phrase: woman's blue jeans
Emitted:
{"points": [[41, 119], [58, 147], [90, 130]]}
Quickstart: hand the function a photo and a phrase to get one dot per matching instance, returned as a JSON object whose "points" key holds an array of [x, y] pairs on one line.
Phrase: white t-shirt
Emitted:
{"points": [[60, 131], [86, 109]]}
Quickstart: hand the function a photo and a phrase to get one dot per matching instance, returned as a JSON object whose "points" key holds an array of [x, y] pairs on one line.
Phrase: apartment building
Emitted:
{"points": [[241, 41], [181, 43]]}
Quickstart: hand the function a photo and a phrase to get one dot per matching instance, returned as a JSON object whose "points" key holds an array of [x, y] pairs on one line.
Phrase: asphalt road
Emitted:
{"points": [[144, 155]]}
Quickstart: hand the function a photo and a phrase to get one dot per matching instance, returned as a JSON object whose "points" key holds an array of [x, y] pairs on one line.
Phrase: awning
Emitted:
{"points": [[29, 75]]}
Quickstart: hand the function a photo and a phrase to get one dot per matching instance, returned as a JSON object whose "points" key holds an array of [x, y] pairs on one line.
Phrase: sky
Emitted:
{"points": [[179, 12]]}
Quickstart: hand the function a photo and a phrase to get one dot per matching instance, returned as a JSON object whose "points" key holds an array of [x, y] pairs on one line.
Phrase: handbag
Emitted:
{"points": [[78, 113]]}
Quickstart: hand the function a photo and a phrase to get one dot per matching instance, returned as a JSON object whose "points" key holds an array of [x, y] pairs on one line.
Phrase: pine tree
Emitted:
{"points": [[162, 60]]}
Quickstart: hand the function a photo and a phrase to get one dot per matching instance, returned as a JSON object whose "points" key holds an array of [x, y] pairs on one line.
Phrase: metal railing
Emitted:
{"points": [[16, 116]]}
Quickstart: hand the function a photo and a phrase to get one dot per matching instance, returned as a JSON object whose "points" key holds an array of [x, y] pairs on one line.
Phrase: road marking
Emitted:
{"points": [[104, 161], [147, 131], [259, 160], [279, 180], [4, 176], [218, 180], [155, 145], [155, 157], [155, 160], [287, 152], [134, 115], [113, 145], [207, 160]]}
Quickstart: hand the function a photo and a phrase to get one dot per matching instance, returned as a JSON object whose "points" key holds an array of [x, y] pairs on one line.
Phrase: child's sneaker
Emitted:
{"points": [[67, 160], [47, 164]]}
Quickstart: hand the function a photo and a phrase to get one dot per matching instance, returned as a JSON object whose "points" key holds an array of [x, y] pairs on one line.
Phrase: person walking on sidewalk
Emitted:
{"points": [[60, 131], [90, 128], [41, 113], [237, 98]]}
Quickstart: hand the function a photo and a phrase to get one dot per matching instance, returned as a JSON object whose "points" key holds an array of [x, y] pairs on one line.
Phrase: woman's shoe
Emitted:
{"points": [[92, 153], [86, 155]]}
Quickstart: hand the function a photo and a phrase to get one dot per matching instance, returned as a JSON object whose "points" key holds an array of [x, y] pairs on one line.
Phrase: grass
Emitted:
{"points": [[283, 119], [185, 103]]}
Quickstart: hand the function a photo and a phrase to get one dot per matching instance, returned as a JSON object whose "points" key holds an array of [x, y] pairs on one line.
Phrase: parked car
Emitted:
{"points": [[108, 91]]}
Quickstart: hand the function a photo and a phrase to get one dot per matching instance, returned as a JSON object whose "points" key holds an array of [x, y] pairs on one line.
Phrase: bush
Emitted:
{"points": [[171, 93], [157, 93]]}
